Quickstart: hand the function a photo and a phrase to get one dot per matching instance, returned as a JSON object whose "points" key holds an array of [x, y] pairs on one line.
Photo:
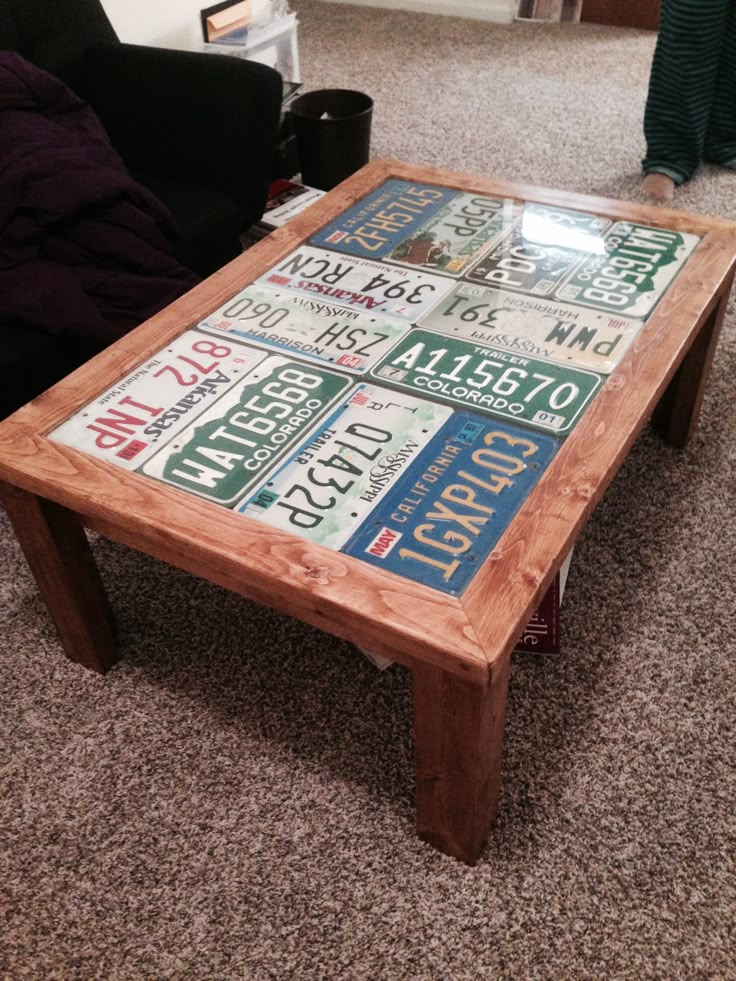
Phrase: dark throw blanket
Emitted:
{"points": [[83, 247]]}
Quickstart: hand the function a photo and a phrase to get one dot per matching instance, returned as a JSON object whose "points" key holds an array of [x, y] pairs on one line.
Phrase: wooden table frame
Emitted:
{"points": [[458, 649]]}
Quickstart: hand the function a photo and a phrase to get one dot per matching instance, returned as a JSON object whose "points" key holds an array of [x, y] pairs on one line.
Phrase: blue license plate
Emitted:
{"points": [[381, 220], [447, 512]]}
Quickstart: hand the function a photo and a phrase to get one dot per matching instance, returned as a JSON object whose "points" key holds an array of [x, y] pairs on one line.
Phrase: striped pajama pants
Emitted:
{"points": [[690, 112]]}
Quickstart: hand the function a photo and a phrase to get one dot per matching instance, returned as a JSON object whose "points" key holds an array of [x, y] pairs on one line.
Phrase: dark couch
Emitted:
{"points": [[193, 131]]}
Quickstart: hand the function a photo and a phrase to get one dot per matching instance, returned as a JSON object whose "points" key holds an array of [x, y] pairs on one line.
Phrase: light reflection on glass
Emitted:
{"points": [[543, 230]]}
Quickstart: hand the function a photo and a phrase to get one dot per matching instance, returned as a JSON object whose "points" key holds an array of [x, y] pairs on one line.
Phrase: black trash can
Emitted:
{"points": [[333, 134]]}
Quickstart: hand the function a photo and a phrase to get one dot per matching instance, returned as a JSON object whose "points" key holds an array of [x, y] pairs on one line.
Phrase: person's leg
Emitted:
{"points": [[681, 88], [720, 141]]}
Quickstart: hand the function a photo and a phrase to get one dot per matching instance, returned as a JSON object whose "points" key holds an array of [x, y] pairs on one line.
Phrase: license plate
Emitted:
{"points": [[332, 482], [544, 394], [458, 235], [440, 522], [536, 327], [312, 328], [539, 250], [357, 283], [128, 423], [637, 266], [383, 218], [246, 432]]}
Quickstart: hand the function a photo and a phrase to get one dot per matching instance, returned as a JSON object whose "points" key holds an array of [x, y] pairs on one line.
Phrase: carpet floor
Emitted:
{"points": [[235, 799]]}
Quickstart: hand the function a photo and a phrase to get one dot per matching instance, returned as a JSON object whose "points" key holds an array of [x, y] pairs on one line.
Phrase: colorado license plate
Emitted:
{"points": [[357, 283], [318, 330], [636, 267], [540, 250], [443, 518], [457, 235], [130, 421], [246, 432], [537, 327], [337, 477], [544, 394]]}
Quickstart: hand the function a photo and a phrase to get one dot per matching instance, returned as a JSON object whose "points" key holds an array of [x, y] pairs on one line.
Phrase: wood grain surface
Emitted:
{"points": [[392, 615]]}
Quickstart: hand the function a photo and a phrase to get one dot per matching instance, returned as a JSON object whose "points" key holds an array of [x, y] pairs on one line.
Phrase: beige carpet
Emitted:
{"points": [[236, 799]]}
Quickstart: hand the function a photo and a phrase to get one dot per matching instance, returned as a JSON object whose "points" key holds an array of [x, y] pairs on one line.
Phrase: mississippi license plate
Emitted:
{"points": [[383, 218], [332, 482], [537, 327], [539, 250], [457, 235], [442, 519], [246, 432], [544, 394], [357, 283], [130, 421], [318, 330], [635, 269]]}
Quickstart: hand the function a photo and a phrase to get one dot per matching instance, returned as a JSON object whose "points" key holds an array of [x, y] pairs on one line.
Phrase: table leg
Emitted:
{"points": [[57, 550], [677, 413], [458, 731]]}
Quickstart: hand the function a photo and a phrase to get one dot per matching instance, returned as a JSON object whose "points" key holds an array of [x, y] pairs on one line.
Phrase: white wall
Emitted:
{"points": [[175, 23], [169, 23], [501, 11], [166, 23]]}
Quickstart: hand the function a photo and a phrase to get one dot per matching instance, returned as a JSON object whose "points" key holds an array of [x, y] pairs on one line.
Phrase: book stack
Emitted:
{"points": [[286, 198]]}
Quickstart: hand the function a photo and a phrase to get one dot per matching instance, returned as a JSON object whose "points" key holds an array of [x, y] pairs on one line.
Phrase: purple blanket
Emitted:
{"points": [[83, 247]]}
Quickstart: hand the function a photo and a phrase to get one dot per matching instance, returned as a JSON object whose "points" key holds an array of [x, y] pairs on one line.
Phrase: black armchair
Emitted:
{"points": [[197, 130]]}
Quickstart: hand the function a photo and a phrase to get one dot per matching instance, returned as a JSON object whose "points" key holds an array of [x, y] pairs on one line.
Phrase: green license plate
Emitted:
{"points": [[247, 431], [635, 269], [543, 394]]}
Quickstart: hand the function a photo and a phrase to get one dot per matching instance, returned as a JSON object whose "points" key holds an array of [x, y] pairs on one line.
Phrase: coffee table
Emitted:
{"points": [[455, 638]]}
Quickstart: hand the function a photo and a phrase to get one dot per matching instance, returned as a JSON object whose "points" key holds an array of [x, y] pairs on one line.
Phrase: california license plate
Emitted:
{"points": [[359, 284], [314, 329], [544, 394], [378, 222], [637, 265], [541, 328], [128, 423], [247, 431], [457, 235], [442, 519], [335, 479], [539, 250]]}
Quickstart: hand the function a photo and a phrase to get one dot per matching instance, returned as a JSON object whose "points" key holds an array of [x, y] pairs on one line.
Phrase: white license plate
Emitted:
{"points": [[451, 240], [362, 284], [334, 480], [310, 327], [538, 328], [127, 423]]}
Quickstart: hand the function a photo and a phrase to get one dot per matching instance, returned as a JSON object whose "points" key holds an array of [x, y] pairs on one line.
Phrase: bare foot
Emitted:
{"points": [[659, 187]]}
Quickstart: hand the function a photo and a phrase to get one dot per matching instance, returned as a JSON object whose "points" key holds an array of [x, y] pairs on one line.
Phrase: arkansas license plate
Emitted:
{"points": [[442, 519], [246, 432], [357, 283], [349, 339], [383, 218], [457, 235], [130, 421], [332, 482], [544, 394], [537, 327], [635, 269], [540, 250]]}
